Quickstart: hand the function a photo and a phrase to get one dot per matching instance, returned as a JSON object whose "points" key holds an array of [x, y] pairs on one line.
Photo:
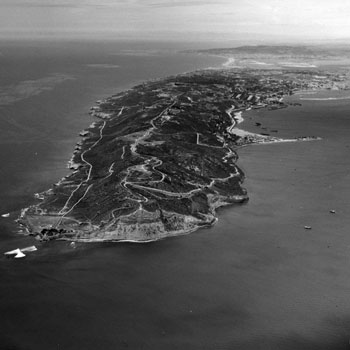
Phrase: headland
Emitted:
{"points": [[161, 157]]}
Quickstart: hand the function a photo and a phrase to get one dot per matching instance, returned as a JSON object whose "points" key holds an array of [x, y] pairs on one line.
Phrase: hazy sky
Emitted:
{"points": [[176, 19]]}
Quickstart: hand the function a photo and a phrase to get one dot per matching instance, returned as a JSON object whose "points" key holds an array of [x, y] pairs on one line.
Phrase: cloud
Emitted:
{"points": [[138, 18], [179, 3], [64, 4], [103, 65], [108, 3]]}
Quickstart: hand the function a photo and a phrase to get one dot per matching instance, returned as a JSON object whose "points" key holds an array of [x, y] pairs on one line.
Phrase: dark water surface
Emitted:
{"points": [[257, 280]]}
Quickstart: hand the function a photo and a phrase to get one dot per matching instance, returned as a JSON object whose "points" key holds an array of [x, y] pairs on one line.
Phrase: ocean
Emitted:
{"points": [[256, 280]]}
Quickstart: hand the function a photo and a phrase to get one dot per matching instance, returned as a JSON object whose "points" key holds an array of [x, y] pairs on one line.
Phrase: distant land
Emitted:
{"points": [[161, 157], [270, 56]]}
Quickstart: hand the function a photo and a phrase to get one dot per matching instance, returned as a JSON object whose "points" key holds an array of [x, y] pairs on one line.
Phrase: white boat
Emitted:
{"points": [[19, 255], [5, 215], [16, 252], [32, 248]]}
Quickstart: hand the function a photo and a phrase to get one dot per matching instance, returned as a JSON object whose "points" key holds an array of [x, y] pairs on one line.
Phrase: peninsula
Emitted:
{"points": [[161, 157]]}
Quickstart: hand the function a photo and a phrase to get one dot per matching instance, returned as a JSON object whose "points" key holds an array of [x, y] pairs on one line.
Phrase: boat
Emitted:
{"points": [[5, 215], [32, 248], [19, 255], [307, 227], [16, 252]]}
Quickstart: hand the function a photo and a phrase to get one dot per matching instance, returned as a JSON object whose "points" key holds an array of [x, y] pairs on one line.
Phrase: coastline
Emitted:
{"points": [[128, 229], [187, 223], [161, 233]]}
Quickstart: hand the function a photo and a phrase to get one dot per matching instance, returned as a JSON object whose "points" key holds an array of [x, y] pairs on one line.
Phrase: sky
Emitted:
{"points": [[176, 19]]}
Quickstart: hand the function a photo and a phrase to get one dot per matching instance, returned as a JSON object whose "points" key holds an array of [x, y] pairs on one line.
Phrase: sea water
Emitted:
{"points": [[256, 280]]}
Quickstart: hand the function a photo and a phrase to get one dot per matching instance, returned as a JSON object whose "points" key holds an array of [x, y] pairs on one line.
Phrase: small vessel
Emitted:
{"points": [[307, 227], [19, 255], [5, 215], [32, 248], [16, 252], [332, 211]]}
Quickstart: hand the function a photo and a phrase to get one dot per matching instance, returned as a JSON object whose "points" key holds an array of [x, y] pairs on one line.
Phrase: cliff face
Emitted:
{"points": [[145, 226], [139, 226], [149, 229]]}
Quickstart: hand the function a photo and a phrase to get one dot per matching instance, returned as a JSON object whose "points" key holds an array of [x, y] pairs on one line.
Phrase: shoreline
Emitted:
{"points": [[185, 224], [237, 118], [262, 139]]}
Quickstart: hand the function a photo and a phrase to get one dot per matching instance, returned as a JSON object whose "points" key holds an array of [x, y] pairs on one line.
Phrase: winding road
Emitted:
{"points": [[64, 210]]}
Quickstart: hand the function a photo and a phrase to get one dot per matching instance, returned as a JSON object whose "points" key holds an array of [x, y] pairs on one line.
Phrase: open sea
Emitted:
{"points": [[256, 280]]}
